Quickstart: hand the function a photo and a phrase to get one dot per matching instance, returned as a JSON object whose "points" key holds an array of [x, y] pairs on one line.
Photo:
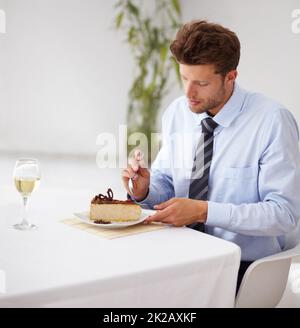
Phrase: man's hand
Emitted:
{"points": [[180, 212], [139, 175]]}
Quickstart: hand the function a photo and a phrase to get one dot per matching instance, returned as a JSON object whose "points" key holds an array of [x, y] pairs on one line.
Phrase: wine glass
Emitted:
{"points": [[27, 177]]}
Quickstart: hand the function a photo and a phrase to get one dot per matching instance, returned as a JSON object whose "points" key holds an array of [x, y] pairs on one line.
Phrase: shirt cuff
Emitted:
{"points": [[149, 201], [134, 200], [218, 215]]}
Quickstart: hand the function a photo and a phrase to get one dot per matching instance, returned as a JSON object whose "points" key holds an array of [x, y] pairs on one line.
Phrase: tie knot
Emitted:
{"points": [[208, 125]]}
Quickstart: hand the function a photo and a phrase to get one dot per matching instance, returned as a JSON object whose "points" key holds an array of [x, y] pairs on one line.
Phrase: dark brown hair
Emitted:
{"points": [[200, 43]]}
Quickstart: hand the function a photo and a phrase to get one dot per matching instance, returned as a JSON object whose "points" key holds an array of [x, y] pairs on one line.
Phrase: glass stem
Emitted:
{"points": [[25, 203]]}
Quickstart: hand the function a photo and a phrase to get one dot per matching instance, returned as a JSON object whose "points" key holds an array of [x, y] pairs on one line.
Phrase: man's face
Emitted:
{"points": [[205, 90]]}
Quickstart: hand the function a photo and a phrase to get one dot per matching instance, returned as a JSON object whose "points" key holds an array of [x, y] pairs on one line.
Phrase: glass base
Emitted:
{"points": [[27, 226]]}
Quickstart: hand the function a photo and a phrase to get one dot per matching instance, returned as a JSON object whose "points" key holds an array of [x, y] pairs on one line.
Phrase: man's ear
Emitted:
{"points": [[231, 76]]}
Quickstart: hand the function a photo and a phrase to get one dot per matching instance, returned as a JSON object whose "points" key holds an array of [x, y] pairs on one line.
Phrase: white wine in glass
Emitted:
{"points": [[27, 177]]}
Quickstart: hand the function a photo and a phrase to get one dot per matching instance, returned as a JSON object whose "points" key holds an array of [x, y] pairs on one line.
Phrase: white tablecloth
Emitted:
{"points": [[59, 266]]}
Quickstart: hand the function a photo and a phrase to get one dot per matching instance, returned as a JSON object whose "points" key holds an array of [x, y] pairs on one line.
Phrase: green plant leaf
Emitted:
{"points": [[133, 9], [163, 53], [149, 40], [131, 34], [119, 19], [176, 67], [176, 6]]}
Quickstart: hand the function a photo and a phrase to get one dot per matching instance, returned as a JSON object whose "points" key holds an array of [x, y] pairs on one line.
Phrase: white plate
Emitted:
{"points": [[85, 217]]}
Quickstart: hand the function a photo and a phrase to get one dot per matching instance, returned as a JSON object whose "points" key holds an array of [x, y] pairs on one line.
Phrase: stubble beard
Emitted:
{"points": [[210, 103]]}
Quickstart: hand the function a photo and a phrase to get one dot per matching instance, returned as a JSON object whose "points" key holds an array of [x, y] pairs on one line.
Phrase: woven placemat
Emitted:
{"points": [[113, 233]]}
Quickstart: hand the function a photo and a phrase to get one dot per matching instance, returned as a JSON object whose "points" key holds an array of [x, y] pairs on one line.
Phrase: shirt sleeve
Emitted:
{"points": [[278, 211], [161, 186]]}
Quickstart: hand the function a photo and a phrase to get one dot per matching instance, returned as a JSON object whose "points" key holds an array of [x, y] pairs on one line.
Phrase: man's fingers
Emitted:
{"points": [[138, 155], [131, 173], [137, 161], [142, 165], [134, 164], [126, 174], [163, 205], [159, 216]]}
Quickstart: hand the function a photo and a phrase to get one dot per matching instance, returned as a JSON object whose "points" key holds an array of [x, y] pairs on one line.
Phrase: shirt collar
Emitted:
{"points": [[229, 111]]}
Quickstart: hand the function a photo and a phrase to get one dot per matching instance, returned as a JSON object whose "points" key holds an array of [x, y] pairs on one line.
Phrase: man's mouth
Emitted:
{"points": [[194, 102]]}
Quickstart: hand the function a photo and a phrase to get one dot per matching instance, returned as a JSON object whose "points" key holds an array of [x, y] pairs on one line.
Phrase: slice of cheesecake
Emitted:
{"points": [[106, 209]]}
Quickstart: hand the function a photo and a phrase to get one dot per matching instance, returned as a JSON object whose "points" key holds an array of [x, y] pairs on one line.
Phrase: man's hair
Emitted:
{"points": [[200, 43]]}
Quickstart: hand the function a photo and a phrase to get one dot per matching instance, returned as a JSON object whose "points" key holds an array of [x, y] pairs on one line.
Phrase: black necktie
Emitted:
{"points": [[200, 172]]}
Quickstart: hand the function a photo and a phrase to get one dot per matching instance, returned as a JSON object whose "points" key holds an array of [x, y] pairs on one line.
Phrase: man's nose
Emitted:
{"points": [[190, 90]]}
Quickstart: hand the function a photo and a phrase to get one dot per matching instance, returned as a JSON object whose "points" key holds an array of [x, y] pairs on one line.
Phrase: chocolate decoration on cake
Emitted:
{"points": [[109, 199], [102, 222], [110, 195]]}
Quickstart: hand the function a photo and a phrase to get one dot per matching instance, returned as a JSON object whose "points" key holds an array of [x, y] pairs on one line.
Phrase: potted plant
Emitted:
{"points": [[149, 32]]}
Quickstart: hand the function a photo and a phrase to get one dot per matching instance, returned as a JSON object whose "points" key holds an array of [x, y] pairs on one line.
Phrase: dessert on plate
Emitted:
{"points": [[105, 209]]}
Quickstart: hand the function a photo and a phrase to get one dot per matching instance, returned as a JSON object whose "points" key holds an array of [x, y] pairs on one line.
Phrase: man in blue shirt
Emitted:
{"points": [[230, 158]]}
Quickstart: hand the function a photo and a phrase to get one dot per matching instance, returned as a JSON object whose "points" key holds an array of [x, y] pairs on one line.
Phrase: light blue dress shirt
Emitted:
{"points": [[254, 182]]}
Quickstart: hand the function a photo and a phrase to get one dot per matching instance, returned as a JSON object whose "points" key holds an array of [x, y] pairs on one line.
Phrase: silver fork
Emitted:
{"points": [[130, 183]]}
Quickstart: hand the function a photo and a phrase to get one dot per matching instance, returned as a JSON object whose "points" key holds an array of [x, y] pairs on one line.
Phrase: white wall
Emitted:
{"points": [[270, 54], [65, 72], [64, 75]]}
